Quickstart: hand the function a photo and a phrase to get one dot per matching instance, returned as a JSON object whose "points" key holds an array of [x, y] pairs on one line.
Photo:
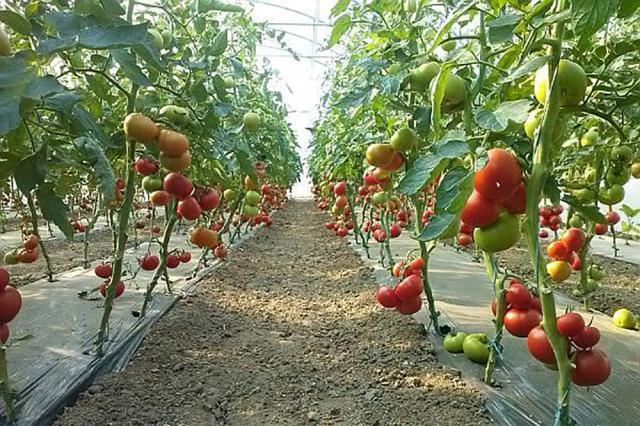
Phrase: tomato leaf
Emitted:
{"points": [[54, 209], [339, 7], [129, 66], [527, 68], [220, 43], [31, 170], [446, 27], [589, 16], [105, 37], [454, 190], [498, 120], [208, 5], [340, 27], [590, 212], [501, 29], [627, 8], [17, 22], [437, 226], [94, 155]]}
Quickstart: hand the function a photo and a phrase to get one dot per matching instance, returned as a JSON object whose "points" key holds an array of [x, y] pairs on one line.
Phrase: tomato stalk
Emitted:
{"points": [[36, 232], [90, 225], [425, 253], [535, 186], [501, 308], [7, 392], [172, 218]]}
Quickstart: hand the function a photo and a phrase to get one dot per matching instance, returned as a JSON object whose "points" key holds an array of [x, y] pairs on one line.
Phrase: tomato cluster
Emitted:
{"points": [[406, 296], [592, 366], [565, 254], [498, 198], [522, 309], [105, 270], [27, 254], [10, 304], [550, 217]]}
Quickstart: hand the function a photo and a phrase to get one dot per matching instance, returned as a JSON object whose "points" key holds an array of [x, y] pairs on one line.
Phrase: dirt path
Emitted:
{"points": [[287, 332]]}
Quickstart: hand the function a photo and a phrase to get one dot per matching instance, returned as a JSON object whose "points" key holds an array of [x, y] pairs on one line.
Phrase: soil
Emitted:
{"points": [[620, 288], [286, 332]]}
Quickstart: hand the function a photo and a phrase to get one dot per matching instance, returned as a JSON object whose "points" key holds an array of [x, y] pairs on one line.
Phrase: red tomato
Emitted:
{"points": [[209, 200], [149, 263], [517, 202], [520, 322], [494, 306], [500, 176], [172, 261], [600, 229], [592, 368], [518, 296], [539, 346], [10, 304], [185, 257], [574, 239], [570, 324], [546, 212], [612, 218], [387, 297], [395, 230], [464, 240], [119, 289], [103, 270], [417, 263], [466, 228], [221, 252], [189, 208], [544, 222], [543, 233], [397, 269], [4, 278], [410, 306], [555, 220], [535, 304], [343, 232], [588, 337], [576, 263], [557, 209], [479, 211], [557, 250], [31, 243], [340, 188], [409, 288]]}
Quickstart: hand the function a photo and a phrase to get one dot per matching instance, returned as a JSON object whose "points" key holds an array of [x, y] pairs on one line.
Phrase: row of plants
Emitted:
{"points": [[483, 123], [149, 116]]}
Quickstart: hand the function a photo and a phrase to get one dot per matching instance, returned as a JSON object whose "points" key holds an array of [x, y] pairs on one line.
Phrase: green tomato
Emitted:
{"points": [[572, 81], [576, 221], [476, 348], [175, 114], [533, 121], [455, 93], [151, 183], [448, 46], [612, 195], [624, 318], [5, 44], [590, 174], [394, 68], [421, 76], [635, 170], [251, 211], [501, 235], [379, 198], [10, 258], [622, 154], [584, 195], [167, 38], [157, 40], [229, 82], [404, 139], [453, 342], [252, 198], [596, 272], [577, 293], [230, 195], [251, 121], [592, 285], [618, 176], [590, 138]]}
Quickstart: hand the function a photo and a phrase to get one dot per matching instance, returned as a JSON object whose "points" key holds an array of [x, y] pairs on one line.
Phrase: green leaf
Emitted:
{"points": [[498, 120], [41, 87], [87, 123], [100, 164], [339, 7], [527, 68], [208, 5], [129, 66], [107, 37], [14, 72], [219, 44], [589, 16], [54, 209], [10, 109], [52, 45], [630, 212], [437, 226], [340, 27], [552, 190], [17, 22], [31, 170], [627, 8], [501, 28], [113, 7], [446, 27], [590, 212], [454, 190]]}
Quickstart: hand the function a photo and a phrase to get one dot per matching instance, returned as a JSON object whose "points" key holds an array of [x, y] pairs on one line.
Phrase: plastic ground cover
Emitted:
{"points": [[55, 363], [527, 395]]}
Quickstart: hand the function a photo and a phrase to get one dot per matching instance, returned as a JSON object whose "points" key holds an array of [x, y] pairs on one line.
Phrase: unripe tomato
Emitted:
{"points": [[404, 139], [140, 128], [503, 234], [558, 250], [572, 83], [559, 270], [379, 154]]}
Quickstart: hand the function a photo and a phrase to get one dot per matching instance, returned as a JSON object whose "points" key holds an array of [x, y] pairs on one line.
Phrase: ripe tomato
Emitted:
{"points": [[557, 250], [396, 271], [464, 240], [612, 218], [28, 256], [145, 167], [539, 346], [559, 270], [546, 212], [10, 304], [479, 211], [149, 263], [517, 202], [574, 239], [518, 296], [543, 233], [220, 252], [4, 278], [500, 177], [172, 261], [409, 288], [209, 200], [576, 263], [387, 297], [203, 237], [397, 161], [140, 128], [175, 164], [189, 208], [31, 242], [520, 322], [570, 324], [466, 228], [395, 230], [340, 188], [600, 229], [172, 143], [185, 257], [103, 270], [535, 304], [177, 185], [588, 337], [410, 306], [592, 368], [118, 292], [343, 232], [159, 198], [341, 202], [417, 263], [379, 235]]}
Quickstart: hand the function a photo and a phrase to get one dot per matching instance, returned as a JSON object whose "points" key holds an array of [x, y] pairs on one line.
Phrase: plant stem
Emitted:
{"points": [[498, 289], [7, 392], [36, 232], [87, 230]]}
